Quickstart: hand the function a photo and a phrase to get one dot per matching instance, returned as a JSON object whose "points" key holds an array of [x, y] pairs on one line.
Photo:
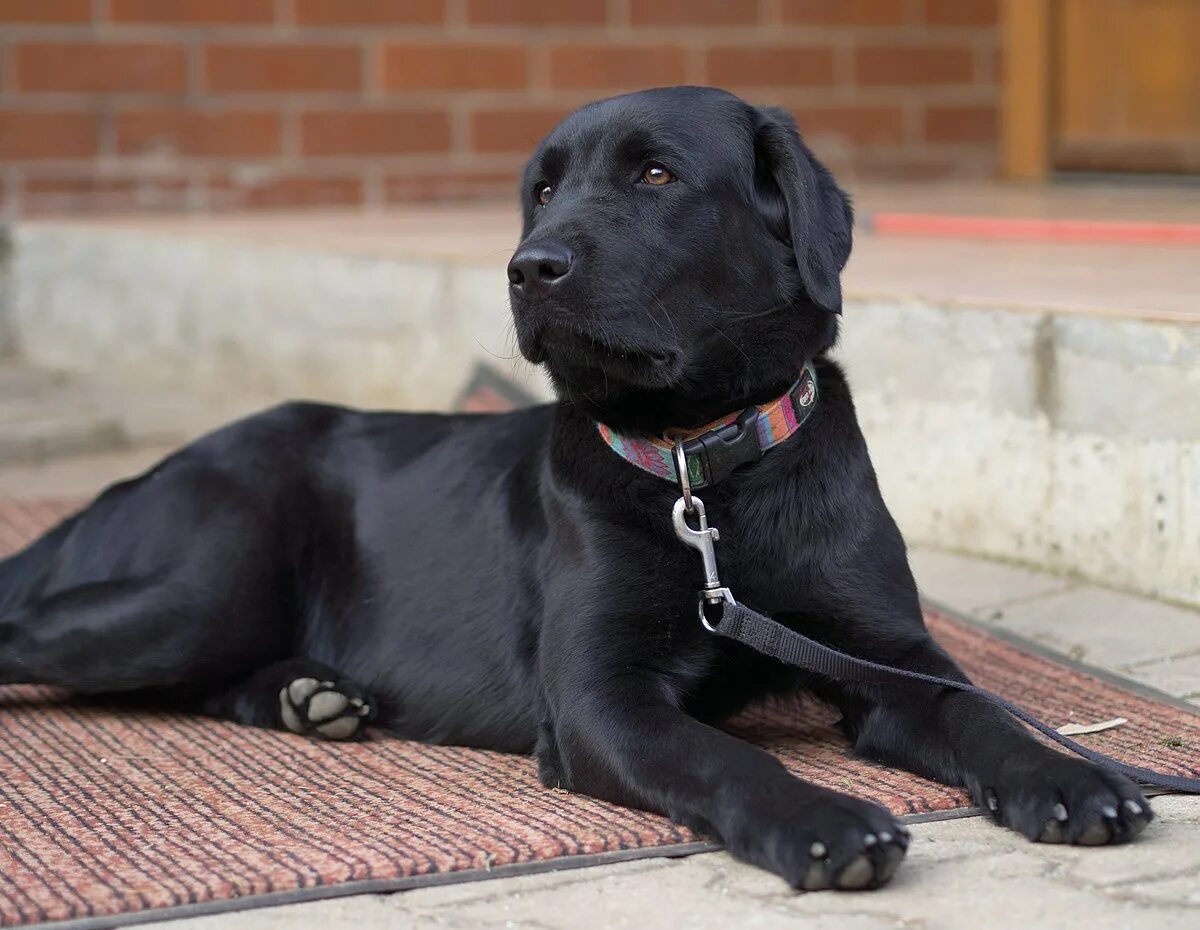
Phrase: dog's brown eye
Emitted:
{"points": [[545, 194], [657, 175]]}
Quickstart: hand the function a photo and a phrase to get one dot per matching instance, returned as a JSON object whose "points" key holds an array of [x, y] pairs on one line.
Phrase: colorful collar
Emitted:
{"points": [[715, 450]]}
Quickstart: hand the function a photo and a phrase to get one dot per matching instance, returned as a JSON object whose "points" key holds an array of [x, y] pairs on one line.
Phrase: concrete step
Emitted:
{"points": [[45, 414]]}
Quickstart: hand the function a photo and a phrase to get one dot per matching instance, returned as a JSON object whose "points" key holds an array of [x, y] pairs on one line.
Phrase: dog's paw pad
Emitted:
{"points": [[328, 709], [326, 705], [302, 689]]}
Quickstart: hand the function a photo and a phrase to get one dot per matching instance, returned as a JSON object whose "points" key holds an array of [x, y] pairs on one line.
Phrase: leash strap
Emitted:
{"points": [[773, 639]]}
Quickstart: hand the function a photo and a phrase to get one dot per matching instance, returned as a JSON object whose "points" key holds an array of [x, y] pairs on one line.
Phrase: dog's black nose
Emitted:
{"points": [[537, 269]]}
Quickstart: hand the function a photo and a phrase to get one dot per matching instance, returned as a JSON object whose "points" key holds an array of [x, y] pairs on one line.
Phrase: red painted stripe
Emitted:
{"points": [[1004, 227]]}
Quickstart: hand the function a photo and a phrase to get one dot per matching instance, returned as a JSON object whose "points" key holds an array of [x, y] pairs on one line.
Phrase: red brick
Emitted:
{"points": [[369, 12], [287, 191], [45, 11], [47, 134], [537, 12], [233, 133], [614, 66], [101, 68], [775, 66], [858, 125], [201, 12], [845, 12], [693, 12], [284, 68], [918, 165], [374, 132], [95, 194], [461, 185], [454, 67], [962, 124], [511, 130], [962, 12], [903, 65]]}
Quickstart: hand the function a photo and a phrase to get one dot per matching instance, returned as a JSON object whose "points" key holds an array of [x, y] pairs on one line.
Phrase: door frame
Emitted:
{"points": [[1025, 99]]}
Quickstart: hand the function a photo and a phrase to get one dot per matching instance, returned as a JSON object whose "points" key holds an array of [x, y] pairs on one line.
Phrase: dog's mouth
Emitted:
{"points": [[630, 357], [583, 357]]}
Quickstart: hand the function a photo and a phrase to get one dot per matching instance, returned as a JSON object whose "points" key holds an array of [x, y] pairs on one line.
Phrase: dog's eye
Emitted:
{"points": [[657, 175], [545, 194]]}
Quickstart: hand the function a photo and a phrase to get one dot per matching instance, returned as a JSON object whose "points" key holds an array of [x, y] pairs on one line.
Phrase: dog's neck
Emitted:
{"points": [[711, 452], [652, 412]]}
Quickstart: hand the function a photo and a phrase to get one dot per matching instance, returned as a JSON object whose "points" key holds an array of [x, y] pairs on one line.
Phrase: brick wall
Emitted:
{"points": [[215, 104]]}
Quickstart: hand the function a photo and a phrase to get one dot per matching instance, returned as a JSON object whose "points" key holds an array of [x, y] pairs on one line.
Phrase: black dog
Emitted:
{"points": [[510, 582]]}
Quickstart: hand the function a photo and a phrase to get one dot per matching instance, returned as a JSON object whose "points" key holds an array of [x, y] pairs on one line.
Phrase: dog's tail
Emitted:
{"points": [[23, 572]]}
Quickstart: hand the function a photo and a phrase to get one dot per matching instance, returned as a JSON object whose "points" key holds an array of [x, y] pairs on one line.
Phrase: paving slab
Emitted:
{"points": [[1101, 627], [1176, 675], [974, 585]]}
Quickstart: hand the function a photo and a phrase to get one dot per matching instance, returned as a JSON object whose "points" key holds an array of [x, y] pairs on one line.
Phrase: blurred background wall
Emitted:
{"points": [[227, 104]]}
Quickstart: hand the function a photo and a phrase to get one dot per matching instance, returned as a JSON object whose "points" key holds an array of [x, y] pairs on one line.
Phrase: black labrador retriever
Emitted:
{"points": [[515, 582]]}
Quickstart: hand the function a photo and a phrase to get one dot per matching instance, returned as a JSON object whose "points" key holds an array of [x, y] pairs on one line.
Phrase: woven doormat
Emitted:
{"points": [[108, 818]]}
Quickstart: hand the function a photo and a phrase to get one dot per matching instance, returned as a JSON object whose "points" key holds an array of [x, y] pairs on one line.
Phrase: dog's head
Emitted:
{"points": [[680, 257]]}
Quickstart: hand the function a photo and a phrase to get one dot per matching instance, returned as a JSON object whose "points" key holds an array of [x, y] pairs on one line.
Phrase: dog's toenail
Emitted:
{"points": [[364, 709], [1133, 807], [818, 850], [1060, 812], [992, 803], [885, 837], [870, 840], [1109, 811]]}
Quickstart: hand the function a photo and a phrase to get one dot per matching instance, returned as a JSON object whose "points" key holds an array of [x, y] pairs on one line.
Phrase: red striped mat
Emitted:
{"points": [[109, 817]]}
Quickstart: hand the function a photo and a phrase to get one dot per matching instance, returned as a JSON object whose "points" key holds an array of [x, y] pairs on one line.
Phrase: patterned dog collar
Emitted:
{"points": [[713, 451]]}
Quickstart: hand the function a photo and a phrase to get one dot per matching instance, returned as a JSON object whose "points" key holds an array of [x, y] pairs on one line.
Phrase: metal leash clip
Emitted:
{"points": [[702, 539]]}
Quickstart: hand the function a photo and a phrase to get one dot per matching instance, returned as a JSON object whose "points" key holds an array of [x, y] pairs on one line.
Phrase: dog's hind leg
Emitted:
{"points": [[131, 634], [300, 695]]}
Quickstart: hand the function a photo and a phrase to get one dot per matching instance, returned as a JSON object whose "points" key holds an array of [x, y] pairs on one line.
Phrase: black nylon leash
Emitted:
{"points": [[773, 639]]}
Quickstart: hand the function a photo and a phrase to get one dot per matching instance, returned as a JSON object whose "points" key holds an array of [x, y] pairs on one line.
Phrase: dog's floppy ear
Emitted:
{"points": [[802, 205]]}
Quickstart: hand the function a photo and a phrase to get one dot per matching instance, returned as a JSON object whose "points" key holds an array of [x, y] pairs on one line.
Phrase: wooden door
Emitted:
{"points": [[1125, 78]]}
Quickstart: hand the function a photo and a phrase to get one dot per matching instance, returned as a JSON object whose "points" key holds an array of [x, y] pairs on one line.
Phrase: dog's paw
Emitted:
{"points": [[1060, 799], [830, 841], [328, 709]]}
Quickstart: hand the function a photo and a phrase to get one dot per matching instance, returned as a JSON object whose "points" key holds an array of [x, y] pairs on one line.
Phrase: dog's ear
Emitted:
{"points": [[802, 205]]}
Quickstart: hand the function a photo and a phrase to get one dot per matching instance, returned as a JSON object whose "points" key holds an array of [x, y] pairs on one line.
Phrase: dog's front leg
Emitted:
{"points": [[623, 739], [961, 738]]}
